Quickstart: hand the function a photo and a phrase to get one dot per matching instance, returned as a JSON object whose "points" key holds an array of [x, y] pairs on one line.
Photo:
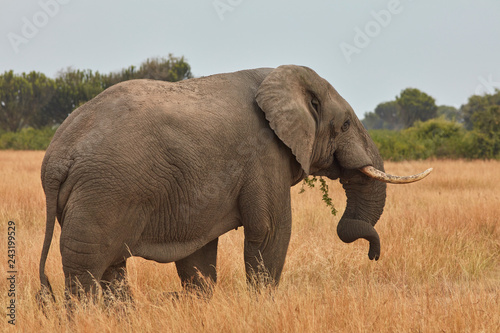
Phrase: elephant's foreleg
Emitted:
{"points": [[198, 270], [264, 260], [267, 221]]}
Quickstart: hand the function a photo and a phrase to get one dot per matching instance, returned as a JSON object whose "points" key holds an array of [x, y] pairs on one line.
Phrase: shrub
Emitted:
{"points": [[27, 139], [440, 137], [434, 138], [398, 146]]}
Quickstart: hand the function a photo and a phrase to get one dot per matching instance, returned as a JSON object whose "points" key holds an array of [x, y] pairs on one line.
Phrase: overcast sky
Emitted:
{"points": [[368, 50]]}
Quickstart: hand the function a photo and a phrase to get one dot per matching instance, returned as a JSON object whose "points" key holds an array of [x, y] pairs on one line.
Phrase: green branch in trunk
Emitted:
{"points": [[310, 182]]}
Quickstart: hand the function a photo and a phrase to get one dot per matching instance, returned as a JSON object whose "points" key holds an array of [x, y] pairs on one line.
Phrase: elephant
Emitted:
{"points": [[160, 170]]}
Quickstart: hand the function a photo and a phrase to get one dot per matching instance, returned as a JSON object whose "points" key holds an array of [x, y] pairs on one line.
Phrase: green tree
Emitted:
{"points": [[22, 97], [372, 121], [387, 115], [171, 69], [33, 100], [390, 113], [410, 106], [449, 113], [73, 88], [415, 105], [165, 69], [485, 136], [477, 104]]}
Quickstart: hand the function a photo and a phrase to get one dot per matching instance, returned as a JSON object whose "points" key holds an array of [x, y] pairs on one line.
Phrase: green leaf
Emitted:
{"points": [[323, 188]]}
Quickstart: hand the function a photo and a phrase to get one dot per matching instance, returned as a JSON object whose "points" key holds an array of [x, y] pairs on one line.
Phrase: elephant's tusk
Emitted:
{"points": [[382, 176]]}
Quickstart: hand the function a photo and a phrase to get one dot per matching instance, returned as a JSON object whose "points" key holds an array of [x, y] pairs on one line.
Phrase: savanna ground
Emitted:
{"points": [[439, 269]]}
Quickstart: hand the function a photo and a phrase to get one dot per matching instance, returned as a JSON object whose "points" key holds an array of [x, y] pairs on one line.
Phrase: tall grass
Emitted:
{"points": [[439, 269]]}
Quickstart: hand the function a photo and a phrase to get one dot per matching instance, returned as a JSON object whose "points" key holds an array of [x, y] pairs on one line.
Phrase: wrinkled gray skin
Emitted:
{"points": [[160, 170]]}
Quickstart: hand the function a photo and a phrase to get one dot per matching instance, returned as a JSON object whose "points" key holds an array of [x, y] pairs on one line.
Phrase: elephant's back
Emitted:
{"points": [[141, 122], [140, 110]]}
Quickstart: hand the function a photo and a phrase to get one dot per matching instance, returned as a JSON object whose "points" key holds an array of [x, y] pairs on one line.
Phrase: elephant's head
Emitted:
{"points": [[327, 139]]}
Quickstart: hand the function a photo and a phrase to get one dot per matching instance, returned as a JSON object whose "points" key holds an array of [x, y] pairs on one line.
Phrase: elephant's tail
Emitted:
{"points": [[53, 176], [46, 289]]}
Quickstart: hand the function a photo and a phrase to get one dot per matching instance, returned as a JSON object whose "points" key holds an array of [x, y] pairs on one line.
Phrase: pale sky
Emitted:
{"points": [[368, 50]]}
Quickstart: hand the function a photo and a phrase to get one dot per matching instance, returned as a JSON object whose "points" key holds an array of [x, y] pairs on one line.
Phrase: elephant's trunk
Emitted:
{"points": [[361, 171], [350, 230], [365, 204]]}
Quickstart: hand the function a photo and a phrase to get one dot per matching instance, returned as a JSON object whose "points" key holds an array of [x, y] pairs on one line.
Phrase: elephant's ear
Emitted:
{"points": [[284, 98]]}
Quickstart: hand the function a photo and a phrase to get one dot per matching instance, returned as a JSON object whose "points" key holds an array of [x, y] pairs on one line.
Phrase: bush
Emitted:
{"points": [[27, 139], [481, 145], [434, 138], [440, 137], [485, 137], [398, 145]]}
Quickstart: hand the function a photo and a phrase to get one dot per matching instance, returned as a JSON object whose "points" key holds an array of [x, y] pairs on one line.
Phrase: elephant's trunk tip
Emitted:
{"points": [[350, 230]]}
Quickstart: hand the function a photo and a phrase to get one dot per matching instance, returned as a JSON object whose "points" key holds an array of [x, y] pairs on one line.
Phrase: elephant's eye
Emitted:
{"points": [[346, 125]]}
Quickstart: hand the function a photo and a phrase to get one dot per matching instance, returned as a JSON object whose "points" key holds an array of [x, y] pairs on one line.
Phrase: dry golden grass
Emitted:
{"points": [[439, 269]]}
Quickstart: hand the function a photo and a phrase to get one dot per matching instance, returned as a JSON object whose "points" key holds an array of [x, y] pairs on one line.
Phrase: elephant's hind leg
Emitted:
{"points": [[114, 283], [198, 271], [81, 284]]}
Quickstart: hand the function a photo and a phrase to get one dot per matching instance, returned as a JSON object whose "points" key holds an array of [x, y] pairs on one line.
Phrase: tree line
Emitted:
{"points": [[33, 100], [412, 126]]}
